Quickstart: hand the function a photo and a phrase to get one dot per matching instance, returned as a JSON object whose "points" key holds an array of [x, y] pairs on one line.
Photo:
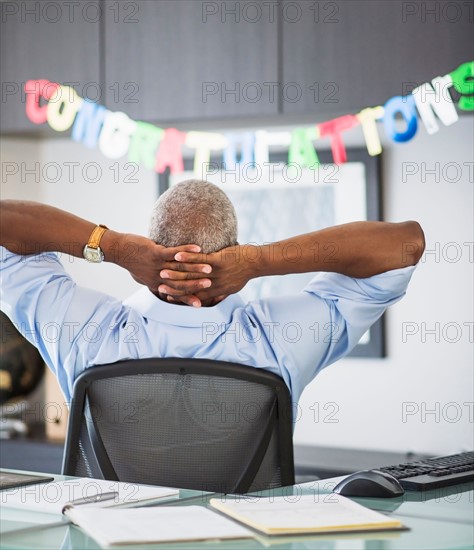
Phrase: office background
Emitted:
{"points": [[420, 397]]}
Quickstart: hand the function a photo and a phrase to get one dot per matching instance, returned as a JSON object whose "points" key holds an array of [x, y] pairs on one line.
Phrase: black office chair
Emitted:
{"points": [[188, 423]]}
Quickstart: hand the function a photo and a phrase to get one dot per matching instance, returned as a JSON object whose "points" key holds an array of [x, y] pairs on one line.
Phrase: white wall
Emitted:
{"points": [[425, 374], [360, 401], [15, 156], [120, 198]]}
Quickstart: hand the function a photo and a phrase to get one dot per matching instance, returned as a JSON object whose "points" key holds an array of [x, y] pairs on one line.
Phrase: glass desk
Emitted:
{"points": [[442, 519]]}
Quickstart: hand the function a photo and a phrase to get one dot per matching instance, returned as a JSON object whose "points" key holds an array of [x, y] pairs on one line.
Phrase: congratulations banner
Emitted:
{"points": [[117, 135]]}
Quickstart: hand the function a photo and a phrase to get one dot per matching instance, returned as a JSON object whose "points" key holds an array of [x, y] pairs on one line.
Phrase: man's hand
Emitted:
{"points": [[145, 260], [232, 268]]}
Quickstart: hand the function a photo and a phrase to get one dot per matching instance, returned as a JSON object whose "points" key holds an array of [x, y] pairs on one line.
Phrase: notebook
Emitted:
{"points": [[281, 516], [59, 496], [113, 527]]}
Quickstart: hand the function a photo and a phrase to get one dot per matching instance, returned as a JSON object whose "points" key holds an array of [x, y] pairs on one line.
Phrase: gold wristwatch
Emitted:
{"points": [[92, 251]]}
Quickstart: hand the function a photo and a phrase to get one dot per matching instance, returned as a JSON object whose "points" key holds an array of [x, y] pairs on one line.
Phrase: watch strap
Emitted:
{"points": [[96, 236]]}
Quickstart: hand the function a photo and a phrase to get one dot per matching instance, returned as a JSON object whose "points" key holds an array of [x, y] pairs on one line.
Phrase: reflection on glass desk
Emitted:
{"points": [[442, 519]]}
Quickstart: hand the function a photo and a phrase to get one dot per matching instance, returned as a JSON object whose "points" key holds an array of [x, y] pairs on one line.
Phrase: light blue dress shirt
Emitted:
{"points": [[294, 336]]}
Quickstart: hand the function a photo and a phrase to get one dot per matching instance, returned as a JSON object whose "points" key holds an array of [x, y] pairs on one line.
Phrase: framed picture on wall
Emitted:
{"points": [[281, 200]]}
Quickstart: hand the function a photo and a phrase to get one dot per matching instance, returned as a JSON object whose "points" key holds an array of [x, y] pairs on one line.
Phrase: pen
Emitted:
{"points": [[91, 500]]}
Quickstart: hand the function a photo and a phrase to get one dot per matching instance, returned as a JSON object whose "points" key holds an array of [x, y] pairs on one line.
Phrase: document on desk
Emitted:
{"points": [[57, 496], [111, 527], [306, 514]]}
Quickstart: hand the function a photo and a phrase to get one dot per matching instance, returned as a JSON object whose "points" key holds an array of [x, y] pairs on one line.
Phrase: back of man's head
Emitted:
{"points": [[194, 212]]}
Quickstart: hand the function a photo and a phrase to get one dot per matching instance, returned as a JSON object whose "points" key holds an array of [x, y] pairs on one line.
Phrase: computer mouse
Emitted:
{"points": [[369, 483]]}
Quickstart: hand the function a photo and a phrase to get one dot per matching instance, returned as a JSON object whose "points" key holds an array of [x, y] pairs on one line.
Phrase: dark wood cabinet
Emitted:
{"points": [[350, 54], [171, 61], [56, 41], [192, 60]]}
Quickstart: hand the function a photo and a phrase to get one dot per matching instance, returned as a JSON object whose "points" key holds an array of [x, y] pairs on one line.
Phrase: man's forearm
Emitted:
{"points": [[33, 228], [359, 249]]}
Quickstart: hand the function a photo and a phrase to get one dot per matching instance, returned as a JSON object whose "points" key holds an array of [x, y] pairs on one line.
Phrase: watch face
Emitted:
{"points": [[93, 255]]}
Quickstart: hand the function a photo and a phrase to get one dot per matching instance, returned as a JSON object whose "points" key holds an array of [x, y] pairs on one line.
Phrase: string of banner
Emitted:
{"points": [[117, 135]]}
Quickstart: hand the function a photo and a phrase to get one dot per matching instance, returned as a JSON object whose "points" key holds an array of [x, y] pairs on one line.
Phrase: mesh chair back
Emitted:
{"points": [[191, 423]]}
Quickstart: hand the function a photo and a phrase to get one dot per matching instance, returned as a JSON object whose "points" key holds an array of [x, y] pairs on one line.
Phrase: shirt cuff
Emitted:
{"points": [[379, 288]]}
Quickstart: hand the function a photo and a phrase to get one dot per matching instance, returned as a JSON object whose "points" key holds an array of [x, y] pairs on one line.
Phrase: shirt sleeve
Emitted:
{"points": [[67, 323], [315, 328], [358, 303]]}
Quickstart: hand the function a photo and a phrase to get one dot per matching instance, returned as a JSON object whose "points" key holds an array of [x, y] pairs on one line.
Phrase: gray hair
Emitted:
{"points": [[194, 212]]}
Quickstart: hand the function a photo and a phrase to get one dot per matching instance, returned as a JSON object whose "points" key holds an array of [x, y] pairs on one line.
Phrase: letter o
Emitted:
{"points": [[253, 416], [258, 10], [45, 12], [85, 172], [47, 488], [446, 8], [288, 326], [97, 334], [96, 87], [448, 258], [298, 95], [45, 172], [57, 412], [85, 12], [286, 167], [258, 95], [255, 168], [45, 333], [285, 12], [446, 416], [458, 174], [446, 327]]}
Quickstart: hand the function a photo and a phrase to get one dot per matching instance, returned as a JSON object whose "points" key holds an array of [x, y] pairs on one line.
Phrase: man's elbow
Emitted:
{"points": [[416, 243]]}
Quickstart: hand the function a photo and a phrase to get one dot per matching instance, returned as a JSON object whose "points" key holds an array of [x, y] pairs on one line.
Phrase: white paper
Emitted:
{"points": [[52, 497], [164, 524]]}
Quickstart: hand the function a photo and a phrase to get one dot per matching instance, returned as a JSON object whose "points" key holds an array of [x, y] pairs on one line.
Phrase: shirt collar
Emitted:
{"points": [[148, 305]]}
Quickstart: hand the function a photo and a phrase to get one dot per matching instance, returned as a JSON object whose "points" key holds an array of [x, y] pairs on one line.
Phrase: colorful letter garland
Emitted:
{"points": [[117, 135]]}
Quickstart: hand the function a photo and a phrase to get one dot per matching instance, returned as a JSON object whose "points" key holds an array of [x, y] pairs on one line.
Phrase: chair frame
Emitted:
{"points": [[282, 414]]}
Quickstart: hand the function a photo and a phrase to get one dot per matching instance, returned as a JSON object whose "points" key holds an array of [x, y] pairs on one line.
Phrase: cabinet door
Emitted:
{"points": [[350, 54], [56, 41], [190, 59]]}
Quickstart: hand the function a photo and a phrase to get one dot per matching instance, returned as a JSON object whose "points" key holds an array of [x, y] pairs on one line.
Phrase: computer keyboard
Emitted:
{"points": [[433, 473]]}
